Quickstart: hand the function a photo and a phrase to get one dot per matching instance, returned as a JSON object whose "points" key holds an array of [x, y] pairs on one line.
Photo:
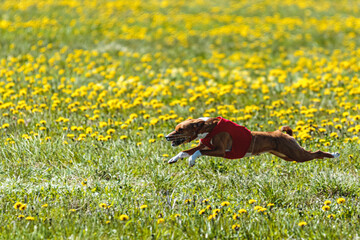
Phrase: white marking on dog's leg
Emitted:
{"points": [[181, 155], [336, 154], [193, 157]]}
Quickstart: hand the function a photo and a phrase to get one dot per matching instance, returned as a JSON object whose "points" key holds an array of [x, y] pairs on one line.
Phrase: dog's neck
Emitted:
{"points": [[201, 135]]}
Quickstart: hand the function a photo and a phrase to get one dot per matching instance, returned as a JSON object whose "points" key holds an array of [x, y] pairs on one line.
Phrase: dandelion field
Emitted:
{"points": [[88, 89]]}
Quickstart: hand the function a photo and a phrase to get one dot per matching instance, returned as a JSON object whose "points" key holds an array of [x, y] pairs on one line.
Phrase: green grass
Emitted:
{"points": [[137, 68]]}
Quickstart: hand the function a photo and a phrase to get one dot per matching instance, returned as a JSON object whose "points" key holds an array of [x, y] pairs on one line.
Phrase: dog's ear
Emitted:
{"points": [[198, 125]]}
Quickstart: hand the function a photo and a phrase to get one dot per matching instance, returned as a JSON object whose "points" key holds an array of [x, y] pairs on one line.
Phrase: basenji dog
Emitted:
{"points": [[220, 137]]}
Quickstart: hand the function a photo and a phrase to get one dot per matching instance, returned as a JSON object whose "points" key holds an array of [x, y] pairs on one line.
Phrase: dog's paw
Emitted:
{"points": [[336, 154], [191, 161], [193, 157], [173, 160], [180, 156]]}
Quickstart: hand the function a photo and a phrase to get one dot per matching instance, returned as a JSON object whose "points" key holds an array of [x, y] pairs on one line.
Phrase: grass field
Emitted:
{"points": [[88, 89]]}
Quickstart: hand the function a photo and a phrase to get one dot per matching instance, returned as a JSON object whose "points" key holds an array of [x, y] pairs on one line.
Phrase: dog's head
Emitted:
{"points": [[185, 132]]}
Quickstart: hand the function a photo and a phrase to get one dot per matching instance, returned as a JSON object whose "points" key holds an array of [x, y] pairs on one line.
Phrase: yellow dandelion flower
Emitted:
{"points": [[340, 200], [160, 220], [251, 201], [212, 216], [72, 210], [29, 218], [331, 216], [205, 201], [177, 215], [102, 124], [123, 137], [236, 216], [216, 211], [235, 227], [241, 211], [70, 135], [334, 135], [270, 205], [107, 222], [20, 121], [110, 131], [17, 205], [224, 204], [262, 209], [5, 125], [208, 207], [133, 116], [84, 183], [25, 136], [325, 208], [152, 140], [88, 130], [23, 207], [154, 121], [21, 216], [143, 206], [187, 201], [102, 205], [327, 202], [302, 224], [45, 205], [202, 211], [257, 207], [124, 217], [322, 130]]}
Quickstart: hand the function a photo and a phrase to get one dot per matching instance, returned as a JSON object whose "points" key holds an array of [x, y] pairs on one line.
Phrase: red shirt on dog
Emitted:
{"points": [[241, 138]]}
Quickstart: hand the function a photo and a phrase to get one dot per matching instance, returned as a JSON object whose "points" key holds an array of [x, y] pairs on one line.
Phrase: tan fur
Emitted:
{"points": [[277, 143]]}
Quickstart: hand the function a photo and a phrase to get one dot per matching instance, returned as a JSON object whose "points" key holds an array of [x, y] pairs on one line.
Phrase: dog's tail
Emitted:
{"points": [[287, 129]]}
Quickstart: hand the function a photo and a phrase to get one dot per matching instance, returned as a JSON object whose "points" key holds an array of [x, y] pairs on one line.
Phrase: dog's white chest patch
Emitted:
{"points": [[201, 135]]}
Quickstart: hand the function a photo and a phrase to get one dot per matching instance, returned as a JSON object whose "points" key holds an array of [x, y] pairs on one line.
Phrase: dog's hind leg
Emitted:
{"points": [[281, 156], [290, 150]]}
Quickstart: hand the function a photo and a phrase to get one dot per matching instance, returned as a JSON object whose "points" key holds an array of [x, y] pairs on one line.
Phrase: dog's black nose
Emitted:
{"points": [[167, 138]]}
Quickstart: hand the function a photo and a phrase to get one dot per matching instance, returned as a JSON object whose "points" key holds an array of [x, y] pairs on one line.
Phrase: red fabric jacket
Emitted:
{"points": [[241, 138]]}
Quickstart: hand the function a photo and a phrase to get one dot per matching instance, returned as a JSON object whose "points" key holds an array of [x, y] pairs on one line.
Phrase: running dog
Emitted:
{"points": [[220, 137]]}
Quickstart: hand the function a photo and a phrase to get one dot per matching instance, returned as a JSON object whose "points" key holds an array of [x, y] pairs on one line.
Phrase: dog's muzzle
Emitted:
{"points": [[175, 140]]}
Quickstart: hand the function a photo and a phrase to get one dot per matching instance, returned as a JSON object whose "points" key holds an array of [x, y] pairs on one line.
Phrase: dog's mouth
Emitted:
{"points": [[176, 140]]}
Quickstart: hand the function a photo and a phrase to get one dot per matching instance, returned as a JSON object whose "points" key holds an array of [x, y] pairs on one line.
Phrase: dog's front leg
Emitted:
{"points": [[186, 153], [219, 142], [198, 153], [180, 156]]}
